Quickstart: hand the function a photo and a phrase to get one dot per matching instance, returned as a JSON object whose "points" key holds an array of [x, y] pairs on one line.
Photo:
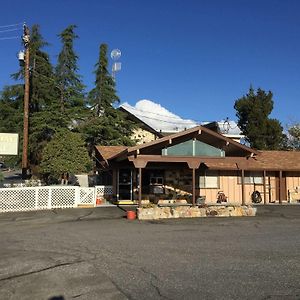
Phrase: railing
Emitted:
{"points": [[49, 197]]}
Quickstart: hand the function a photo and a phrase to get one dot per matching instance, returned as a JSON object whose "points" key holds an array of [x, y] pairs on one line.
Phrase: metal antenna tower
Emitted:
{"points": [[116, 66]]}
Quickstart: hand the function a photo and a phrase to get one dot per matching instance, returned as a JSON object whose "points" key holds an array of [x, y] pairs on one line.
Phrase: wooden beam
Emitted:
{"points": [[187, 159], [265, 190], [194, 187], [140, 187], [280, 187], [243, 187], [194, 164], [139, 162], [114, 182]]}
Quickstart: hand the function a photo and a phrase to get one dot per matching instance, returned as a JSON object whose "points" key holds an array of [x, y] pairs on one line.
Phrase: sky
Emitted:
{"points": [[193, 57]]}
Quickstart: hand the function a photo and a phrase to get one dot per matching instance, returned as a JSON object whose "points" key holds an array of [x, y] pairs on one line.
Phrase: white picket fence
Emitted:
{"points": [[49, 197]]}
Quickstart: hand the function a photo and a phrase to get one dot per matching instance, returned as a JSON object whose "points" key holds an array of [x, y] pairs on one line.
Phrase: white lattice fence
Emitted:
{"points": [[86, 195], [48, 197], [17, 199], [63, 197], [104, 192], [36, 198]]}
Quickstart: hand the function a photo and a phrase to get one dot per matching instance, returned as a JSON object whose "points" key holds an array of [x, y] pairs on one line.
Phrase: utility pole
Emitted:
{"points": [[26, 41]]}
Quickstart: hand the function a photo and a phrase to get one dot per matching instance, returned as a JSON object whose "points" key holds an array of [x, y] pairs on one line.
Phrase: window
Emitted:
{"points": [[209, 180], [251, 178], [156, 180]]}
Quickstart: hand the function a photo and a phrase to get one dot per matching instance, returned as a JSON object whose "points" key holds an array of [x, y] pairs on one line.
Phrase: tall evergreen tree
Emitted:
{"points": [[42, 93], [43, 89], [69, 82], [106, 125], [45, 118], [253, 112], [104, 95], [11, 108]]}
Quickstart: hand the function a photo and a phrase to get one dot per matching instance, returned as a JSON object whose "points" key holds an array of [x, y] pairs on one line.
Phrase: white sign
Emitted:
{"points": [[9, 143]]}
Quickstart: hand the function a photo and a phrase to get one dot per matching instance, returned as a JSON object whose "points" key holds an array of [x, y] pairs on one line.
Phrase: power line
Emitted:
{"points": [[11, 25], [9, 30], [9, 38]]}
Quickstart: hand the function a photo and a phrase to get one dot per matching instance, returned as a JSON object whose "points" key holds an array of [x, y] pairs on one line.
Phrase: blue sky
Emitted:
{"points": [[193, 57]]}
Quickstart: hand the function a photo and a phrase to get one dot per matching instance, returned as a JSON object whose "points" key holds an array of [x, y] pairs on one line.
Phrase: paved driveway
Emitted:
{"points": [[98, 254]]}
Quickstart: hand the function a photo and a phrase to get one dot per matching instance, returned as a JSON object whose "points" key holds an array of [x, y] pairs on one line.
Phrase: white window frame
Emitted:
{"points": [[209, 180], [252, 178]]}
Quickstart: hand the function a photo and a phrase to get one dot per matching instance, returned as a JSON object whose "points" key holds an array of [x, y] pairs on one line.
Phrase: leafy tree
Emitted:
{"points": [[106, 125], [1, 177], [66, 152], [294, 136], [253, 112], [69, 82]]}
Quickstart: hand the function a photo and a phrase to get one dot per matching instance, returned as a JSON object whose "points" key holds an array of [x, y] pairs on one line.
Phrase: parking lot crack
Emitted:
{"points": [[40, 270], [84, 216], [154, 277]]}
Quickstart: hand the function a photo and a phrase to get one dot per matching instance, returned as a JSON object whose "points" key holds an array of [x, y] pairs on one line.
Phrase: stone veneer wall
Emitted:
{"points": [[171, 212]]}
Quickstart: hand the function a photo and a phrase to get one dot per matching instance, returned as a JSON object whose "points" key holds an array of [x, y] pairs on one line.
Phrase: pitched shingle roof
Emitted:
{"points": [[277, 160], [108, 152]]}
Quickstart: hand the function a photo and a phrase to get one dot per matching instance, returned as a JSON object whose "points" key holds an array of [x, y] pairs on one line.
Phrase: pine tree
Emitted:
{"points": [[103, 96], [45, 118], [69, 82], [43, 92], [106, 125], [11, 108], [253, 112]]}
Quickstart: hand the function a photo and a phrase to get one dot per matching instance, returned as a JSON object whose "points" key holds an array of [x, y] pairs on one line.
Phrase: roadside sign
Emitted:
{"points": [[9, 143]]}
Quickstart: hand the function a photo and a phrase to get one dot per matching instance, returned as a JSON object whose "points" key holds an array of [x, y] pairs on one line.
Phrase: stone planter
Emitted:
{"points": [[172, 212]]}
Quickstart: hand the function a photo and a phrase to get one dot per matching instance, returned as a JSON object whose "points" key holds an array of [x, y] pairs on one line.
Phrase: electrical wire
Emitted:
{"points": [[9, 38], [11, 25], [9, 30]]}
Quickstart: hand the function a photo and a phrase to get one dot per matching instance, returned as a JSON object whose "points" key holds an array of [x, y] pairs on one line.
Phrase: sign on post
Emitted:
{"points": [[9, 143]]}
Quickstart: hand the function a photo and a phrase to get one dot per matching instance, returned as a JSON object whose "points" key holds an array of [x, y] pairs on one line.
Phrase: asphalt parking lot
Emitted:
{"points": [[99, 254]]}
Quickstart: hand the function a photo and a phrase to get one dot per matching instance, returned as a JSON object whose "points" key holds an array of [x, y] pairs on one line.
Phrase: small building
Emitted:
{"points": [[198, 163]]}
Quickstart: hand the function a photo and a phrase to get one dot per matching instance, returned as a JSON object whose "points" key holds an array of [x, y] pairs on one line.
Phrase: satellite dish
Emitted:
{"points": [[115, 54]]}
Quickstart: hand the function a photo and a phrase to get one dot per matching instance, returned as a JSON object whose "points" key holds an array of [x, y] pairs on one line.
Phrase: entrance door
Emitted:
{"points": [[281, 192], [125, 184]]}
